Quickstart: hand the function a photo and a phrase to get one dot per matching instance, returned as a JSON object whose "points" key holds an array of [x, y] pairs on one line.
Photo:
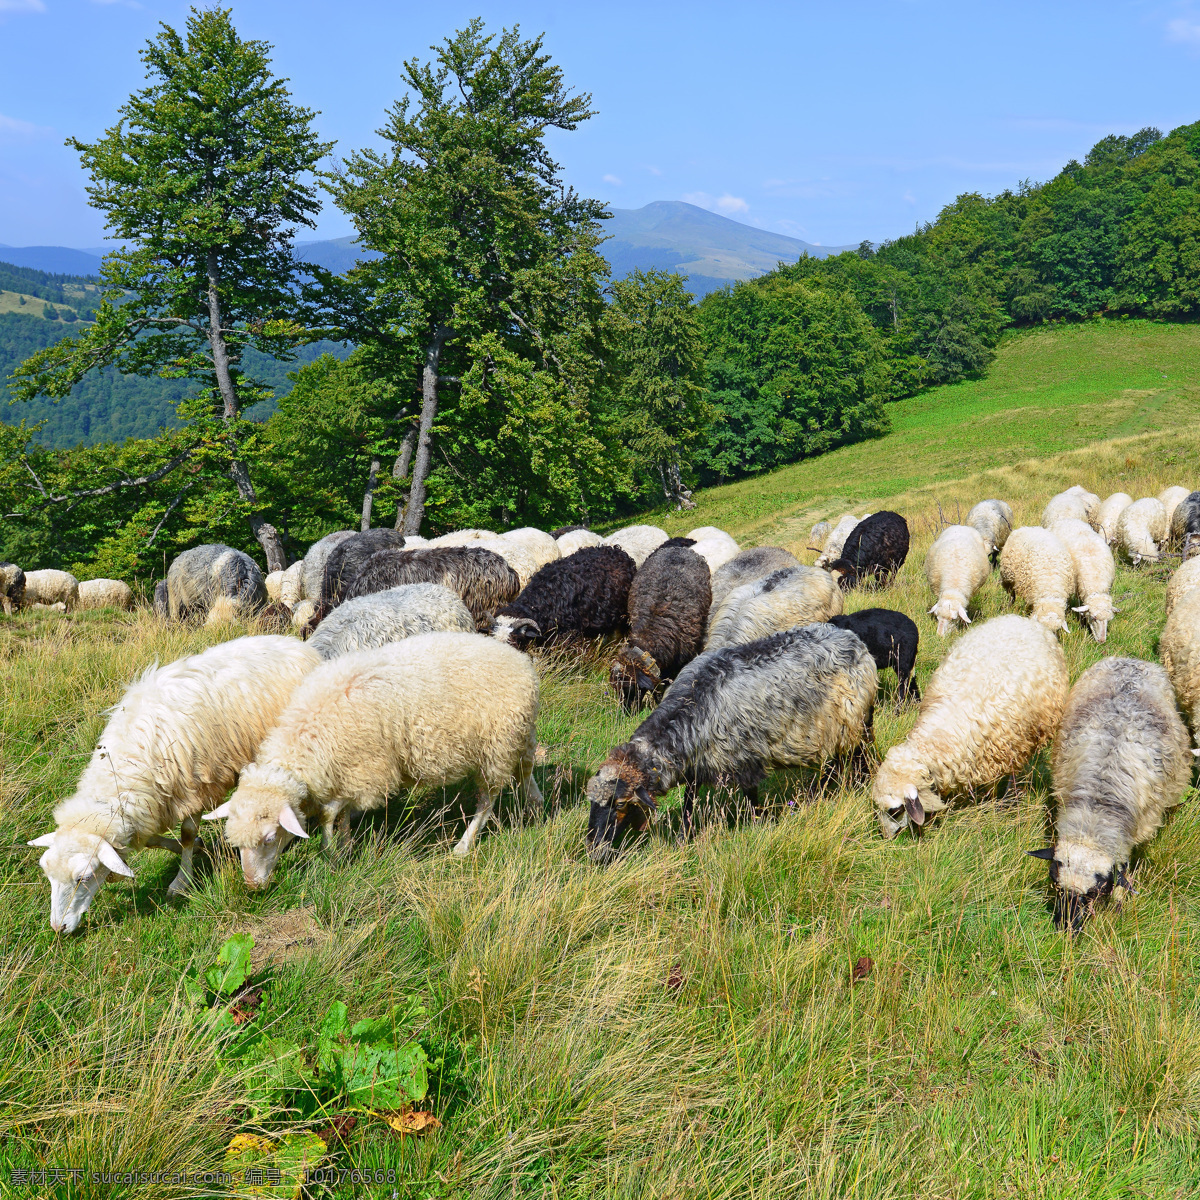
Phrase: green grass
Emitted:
{"points": [[683, 1023]]}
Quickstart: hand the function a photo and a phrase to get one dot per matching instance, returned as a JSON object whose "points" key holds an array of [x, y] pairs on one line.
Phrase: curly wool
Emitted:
{"points": [[577, 539], [517, 554], [1179, 649], [1185, 521], [51, 587], [312, 573], [847, 523], [1095, 571], [391, 616], [995, 700], [892, 639], [1170, 498], [1075, 504], [1140, 528], [1185, 578], [638, 541], [745, 567], [993, 521], [876, 547], [781, 600], [1109, 513], [541, 547], [956, 566], [1036, 568], [105, 593], [349, 557]]}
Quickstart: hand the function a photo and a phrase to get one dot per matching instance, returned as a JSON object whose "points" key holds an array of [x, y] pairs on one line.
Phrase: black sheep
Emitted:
{"points": [[349, 557], [892, 639], [668, 608], [877, 547], [1185, 524], [557, 533], [585, 593]]}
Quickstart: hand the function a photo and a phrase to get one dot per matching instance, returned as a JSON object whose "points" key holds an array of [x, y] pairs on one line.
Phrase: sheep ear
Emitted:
{"points": [[1079, 608], [108, 855], [647, 799], [1046, 852], [288, 821], [217, 814], [933, 611], [47, 839], [912, 806], [962, 616]]}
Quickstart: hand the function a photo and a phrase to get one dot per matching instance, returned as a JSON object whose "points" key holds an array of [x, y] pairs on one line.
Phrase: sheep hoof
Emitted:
{"points": [[180, 886], [462, 849]]}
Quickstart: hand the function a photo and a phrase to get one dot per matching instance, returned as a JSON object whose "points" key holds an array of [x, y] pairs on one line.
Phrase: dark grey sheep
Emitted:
{"points": [[383, 617], [349, 556], [12, 587], [214, 576]]}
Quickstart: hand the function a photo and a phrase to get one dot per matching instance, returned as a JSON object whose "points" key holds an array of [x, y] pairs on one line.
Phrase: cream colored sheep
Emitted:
{"points": [[782, 600], [516, 553], [303, 612], [716, 550], [817, 535], [1141, 528], [461, 537], [105, 593], [996, 699], [956, 566], [1170, 498], [1109, 513], [536, 542], [429, 711], [172, 748], [52, 587], [832, 548], [577, 539], [1035, 567], [1076, 503], [1095, 571], [273, 582], [291, 585], [1179, 649], [701, 532], [638, 541], [993, 521], [1185, 579]]}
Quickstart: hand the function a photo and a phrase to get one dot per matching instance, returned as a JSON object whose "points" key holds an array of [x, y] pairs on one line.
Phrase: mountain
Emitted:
{"points": [[710, 249], [337, 255], [58, 260]]}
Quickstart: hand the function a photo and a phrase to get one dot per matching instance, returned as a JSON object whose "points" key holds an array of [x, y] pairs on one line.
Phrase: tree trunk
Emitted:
{"points": [[400, 472], [264, 532], [369, 494], [672, 485], [415, 509]]}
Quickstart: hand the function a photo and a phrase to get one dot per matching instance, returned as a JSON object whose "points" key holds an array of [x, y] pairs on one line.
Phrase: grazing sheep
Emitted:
{"points": [[303, 614], [432, 710], [349, 557], [541, 546], [1075, 504], [172, 748], [198, 577], [668, 606], [391, 616], [51, 587], [638, 541], [1094, 573], [732, 716], [847, 523], [781, 600], [565, 529], [996, 699], [1120, 761], [1179, 649], [1170, 498], [893, 640], [1140, 528], [877, 546], [1185, 525], [745, 567], [1035, 567], [462, 537], [577, 539], [716, 550], [162, 601], [993, 521], [706, 531], [585, 594], [291, 585], [480, 577], [817, 535], [516, 554], [956, 566], [12, 587], [312, 574], [273, 582], [1109, 513], [1185, 579], [105, 593]]}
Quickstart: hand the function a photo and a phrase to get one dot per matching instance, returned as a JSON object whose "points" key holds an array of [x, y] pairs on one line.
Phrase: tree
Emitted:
{"points": [[203, 179], [486, 295]]}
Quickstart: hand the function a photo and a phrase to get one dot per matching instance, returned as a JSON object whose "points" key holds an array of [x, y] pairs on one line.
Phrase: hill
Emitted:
{"points": [[58, 260]]}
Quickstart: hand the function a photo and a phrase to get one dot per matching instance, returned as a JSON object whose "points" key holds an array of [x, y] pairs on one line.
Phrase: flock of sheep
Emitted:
{"points": [[412, 672]]}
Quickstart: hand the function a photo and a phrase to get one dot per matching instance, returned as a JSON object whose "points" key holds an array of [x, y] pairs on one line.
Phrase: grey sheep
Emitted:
{"points": [[12, 587], [1184, 530], [382, 617], [349, 557], [747, 566], [216, 582], [782, 600], [312, 574], [993, 521]]}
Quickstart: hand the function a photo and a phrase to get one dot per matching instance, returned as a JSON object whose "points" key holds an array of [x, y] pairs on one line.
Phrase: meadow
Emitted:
{"points": [[791, 1007]]}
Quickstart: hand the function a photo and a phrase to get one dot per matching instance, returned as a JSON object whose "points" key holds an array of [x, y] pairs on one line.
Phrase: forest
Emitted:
{"points": [[499, 375]]}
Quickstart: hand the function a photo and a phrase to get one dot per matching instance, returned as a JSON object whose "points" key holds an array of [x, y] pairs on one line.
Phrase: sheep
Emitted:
{"points": [[1094, 573], [994, 701], [12, 587], [462, 537], [349, 557], [877, 546], [480, 577], [1120, 761], [1179, 649], [199, 576], [1076, 503], [1109, 513], [836, 539], [577, 539], [390, 616], [716, 550], [1036, 568], [172, 748], [817, 535], [1140, 528], [162, 601], [312, 574], [105, 593], [51, 587], [537, 543], [668, 607], [993, 521], [1185, 525], [1186, 578], [515, 553], [291, 585], [732, 716], [273, 582], [1170, 498], [956, 566], [746, 567], [638, 541], [893, 640], [781, 600], [303, 613], [563, 530], [585, 594], [432, 710]]}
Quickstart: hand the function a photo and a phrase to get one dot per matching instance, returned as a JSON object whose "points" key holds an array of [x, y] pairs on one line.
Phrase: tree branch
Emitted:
{"points": [[170, 509], [108, 488]]}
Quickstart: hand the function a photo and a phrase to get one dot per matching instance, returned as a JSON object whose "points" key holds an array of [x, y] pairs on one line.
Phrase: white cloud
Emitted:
{"points": [[613, 179], [1184, 29], [909, 198], [21, 6], [726, 204], [654, 170], [10, 127]]}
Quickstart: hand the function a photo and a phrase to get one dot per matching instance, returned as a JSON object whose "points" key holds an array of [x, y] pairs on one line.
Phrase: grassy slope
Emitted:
{"points": [[683, 1023]]}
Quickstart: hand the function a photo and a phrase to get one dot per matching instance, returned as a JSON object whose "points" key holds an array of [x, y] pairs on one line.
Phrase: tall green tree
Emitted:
{"points": [[204, 179], [486, 294]]}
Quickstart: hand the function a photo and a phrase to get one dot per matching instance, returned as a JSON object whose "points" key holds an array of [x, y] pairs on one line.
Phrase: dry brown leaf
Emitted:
{"points": [[862, 969], [675, 978], [415, 1123]]}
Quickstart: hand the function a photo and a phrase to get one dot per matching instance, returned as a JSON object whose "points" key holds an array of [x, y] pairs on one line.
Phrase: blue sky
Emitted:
{"points": [[831, 122]]}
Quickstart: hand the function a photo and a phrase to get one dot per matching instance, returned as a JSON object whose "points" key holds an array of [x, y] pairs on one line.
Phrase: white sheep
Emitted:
{"points": [[514, 552], [172, 748], [462, 537], [303, 612], [638, 541], [1179, 649], [577, 539], [1076, 503], [836, 541], [1037, 568], [817, 535], [1186, 578], [538, 544], [291, 585], [429, 711], [1109, 513], [996, 699], [51, 587], [273, 582], [1170, 498], [706, 531], [956, 566], [1095, 571], [993, 521], [782, 600], [1141, 527], [105, 593], [390, 616], [716, 550]]}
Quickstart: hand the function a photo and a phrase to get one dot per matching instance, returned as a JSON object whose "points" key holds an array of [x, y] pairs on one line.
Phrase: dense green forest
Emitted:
{"points": [[500, 376]]}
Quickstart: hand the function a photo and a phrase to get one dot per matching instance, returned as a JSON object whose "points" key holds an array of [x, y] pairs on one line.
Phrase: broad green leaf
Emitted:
{"points": [[232, 966]]}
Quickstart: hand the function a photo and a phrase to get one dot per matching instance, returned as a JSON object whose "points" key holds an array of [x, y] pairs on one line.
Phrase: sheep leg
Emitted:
{"points": [[751, 794], [182, 883], [165, 843], [483, 814], [689, 803]]}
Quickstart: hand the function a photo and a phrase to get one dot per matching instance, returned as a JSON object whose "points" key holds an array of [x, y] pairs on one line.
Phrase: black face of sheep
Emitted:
{"points": [[633, 686], [619, 808], [1072, 909]]}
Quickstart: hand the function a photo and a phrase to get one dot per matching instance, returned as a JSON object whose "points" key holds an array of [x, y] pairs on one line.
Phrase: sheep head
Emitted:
{"points": [[1098, 610], [845, 572], [1050, 611], [261, 818], [621, 802], [76, 863], [1080, 876], [515, 631], [903, 791], [948, 612], [634, 676]]}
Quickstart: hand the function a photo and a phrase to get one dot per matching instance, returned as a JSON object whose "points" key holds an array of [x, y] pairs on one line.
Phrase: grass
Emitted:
{"points": [[685, 1022]]}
